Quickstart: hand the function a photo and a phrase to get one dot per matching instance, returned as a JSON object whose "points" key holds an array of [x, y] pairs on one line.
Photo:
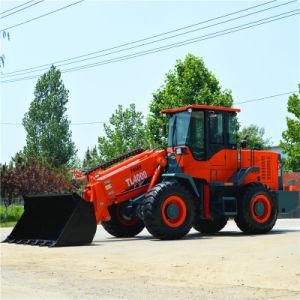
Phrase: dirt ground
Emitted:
{"points": [[228, 265]]}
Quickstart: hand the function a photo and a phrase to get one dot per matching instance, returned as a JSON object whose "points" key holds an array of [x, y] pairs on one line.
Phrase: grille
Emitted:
{"points": [[266, 168]]}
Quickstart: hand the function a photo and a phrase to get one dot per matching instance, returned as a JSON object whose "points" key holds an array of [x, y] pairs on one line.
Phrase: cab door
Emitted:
{"points": [[215, 138]]}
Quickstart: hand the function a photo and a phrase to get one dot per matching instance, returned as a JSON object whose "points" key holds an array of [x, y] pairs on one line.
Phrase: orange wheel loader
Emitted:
{"points": [[201, 180]]}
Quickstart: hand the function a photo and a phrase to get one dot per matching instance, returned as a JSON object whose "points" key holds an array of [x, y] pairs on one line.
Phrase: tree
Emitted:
{"points": [[36, 177], [48, 135], [90, 158], [254, 137], [9, 181], [190, 82], [18, 159], [7, 187], [29, 178], [124, 132], [291, 137]]}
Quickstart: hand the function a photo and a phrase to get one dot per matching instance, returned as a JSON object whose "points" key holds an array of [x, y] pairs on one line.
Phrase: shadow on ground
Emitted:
{"points": [[192, 236]]}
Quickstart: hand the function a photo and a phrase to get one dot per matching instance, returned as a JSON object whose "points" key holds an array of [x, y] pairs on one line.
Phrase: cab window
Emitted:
{"points": [[216, 128], [195, 139], [232, 129]]}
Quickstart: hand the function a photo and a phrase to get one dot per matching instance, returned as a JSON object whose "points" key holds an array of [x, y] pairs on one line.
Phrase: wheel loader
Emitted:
{"points": [[201, 180]]}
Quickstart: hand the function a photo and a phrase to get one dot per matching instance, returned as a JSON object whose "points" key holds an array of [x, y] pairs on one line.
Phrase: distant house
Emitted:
{"points": [[292, 178], [279, 150]]}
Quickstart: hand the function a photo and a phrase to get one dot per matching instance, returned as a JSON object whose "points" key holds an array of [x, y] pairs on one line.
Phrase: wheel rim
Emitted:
{"points": [[174, 211], [261, 208], [124, 219]]}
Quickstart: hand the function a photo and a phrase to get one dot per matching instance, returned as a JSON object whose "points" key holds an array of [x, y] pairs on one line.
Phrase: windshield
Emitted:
{"points": [[178, 129], [187, 128]]}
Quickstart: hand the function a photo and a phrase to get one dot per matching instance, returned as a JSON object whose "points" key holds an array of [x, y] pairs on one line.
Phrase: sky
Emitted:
{"points": [[252, 63]]}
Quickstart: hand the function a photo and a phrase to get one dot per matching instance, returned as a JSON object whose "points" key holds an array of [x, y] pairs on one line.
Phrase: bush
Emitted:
{"points": [[24, 178], [10, 215], [31, 178]]}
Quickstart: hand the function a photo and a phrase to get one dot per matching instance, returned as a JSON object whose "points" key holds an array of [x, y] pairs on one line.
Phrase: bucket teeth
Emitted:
{"points": [[46, 243]]}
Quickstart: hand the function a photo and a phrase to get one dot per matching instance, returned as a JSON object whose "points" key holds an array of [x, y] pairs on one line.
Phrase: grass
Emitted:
{"points": [[14, 213]]}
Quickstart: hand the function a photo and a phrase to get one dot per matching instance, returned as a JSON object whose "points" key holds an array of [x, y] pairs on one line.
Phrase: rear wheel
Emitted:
{"points": [[210, 226], [121, 224], [168, 211], [257, 209]]}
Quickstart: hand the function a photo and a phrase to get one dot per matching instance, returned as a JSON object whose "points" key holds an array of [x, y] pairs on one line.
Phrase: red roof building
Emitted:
{"points": [[292, 178]]}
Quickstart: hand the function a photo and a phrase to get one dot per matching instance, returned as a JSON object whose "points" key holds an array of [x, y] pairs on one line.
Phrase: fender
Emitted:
{"points": [[239, 176], [187, 178]]}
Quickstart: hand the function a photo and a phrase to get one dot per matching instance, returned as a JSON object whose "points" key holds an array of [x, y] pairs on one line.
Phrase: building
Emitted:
{"points": [[279, 150]]}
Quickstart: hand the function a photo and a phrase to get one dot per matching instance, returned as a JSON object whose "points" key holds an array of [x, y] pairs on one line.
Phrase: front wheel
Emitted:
{"points": [[168, 211], [257, 209], [122, 225]]}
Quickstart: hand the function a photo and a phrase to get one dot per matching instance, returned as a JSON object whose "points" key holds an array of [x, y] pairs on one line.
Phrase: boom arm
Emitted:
{"points": [[126, 180]]}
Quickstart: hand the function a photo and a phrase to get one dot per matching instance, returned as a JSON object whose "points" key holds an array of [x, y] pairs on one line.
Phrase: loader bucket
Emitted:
{"points": [[55, 220]]}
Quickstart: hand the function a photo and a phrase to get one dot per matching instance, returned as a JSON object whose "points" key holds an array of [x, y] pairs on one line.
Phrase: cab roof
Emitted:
{"points": [[199, 107]]}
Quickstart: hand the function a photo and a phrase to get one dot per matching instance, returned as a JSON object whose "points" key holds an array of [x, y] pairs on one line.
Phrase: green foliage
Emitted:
{"points": [[48, 134], [18, 160], [6, 182], [291, 137], [75, 164], [254, 137], [10, 215], [91, 158], [124, 132], [190, 82], [31, 177]]}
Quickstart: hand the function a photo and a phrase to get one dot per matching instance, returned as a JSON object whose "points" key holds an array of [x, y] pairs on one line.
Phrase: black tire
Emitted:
{"points": [[121, 226], [158, 206], [210, 226], [250, 220]]}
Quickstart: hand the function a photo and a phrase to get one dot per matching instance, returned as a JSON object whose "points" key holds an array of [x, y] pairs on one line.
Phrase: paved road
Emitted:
{"points": [[228, 265]]}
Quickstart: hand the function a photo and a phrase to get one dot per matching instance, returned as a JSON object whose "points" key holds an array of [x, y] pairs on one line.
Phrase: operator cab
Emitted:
{"points": [[204, 129]]}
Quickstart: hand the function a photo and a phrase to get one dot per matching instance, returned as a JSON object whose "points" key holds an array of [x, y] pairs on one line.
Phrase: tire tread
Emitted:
{"points": [[243, 221]]}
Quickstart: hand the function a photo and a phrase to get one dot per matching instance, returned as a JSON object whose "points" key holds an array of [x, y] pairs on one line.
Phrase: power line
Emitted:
{"points": [[87, 123], [137, 54], [265, 98], [184, 42], [21, 9], [10, 123], [144, 39], [148, 43], [98, 122], [41, 16], [175, 45], [72, 124], [188, 41], [3, 12]]}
